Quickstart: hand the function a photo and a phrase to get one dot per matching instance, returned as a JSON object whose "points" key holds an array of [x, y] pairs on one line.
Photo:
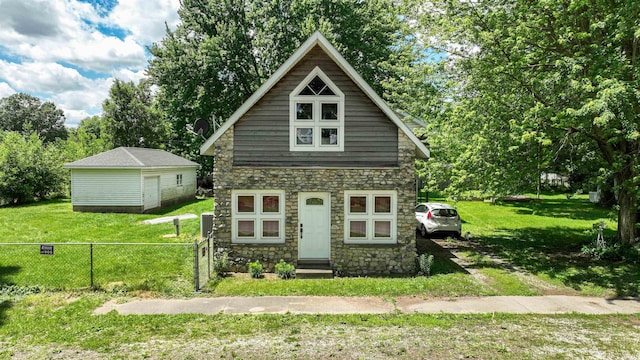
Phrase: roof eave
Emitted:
{"points": [[316, 39], [207, 147], [134, 167], [421, 149]]}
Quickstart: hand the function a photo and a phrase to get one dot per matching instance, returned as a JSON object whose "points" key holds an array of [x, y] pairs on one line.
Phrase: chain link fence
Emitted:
{"points": [[162, 267]]}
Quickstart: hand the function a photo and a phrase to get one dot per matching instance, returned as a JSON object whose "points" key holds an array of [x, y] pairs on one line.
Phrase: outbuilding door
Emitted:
{"points": [[314, 227], [151, 196]]}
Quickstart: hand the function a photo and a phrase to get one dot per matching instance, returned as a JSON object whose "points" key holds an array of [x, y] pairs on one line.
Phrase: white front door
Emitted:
{"points": [[151, 192], [314, 227]]}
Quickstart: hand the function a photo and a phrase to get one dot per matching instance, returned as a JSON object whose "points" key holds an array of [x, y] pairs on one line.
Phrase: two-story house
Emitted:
{"points": [[316, 168]]}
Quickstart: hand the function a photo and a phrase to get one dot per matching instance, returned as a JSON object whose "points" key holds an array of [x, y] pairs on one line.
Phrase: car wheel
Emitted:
{"points": [[423, 231]]}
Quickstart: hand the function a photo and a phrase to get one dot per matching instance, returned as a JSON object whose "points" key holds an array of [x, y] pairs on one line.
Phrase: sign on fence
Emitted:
{"points": [[46, 249]]}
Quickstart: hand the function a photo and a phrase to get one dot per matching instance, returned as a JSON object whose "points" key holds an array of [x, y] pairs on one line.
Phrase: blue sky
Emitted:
{"points": [[70, 51]]}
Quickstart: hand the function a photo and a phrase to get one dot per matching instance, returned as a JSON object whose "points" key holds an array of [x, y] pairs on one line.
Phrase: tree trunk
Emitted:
{"points": [[628, 213]]}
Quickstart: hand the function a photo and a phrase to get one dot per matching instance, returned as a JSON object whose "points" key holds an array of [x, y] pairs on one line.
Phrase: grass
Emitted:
{"points": [[61, 325], [446, 285], [542, 238], [165, 267], [545, 239], [54, 221]]}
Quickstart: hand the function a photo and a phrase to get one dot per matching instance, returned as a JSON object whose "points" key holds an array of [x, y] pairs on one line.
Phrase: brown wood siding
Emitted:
{"points": [[261, 136]]}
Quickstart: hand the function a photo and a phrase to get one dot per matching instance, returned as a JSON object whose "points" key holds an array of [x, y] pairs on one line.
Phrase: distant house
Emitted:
{"points": [[131, 180], [555, 180], [316, 169]]}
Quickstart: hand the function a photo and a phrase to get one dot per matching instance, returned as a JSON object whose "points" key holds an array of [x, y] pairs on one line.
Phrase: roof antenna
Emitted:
{"points": [[216, 124]]}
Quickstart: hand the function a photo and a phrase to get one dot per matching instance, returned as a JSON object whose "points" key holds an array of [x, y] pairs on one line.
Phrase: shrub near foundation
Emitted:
{"points": [[285, 270], [425, 262], [221, 264], [255, 270]]}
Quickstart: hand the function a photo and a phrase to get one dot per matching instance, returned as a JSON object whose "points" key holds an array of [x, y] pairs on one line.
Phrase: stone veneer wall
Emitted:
{"points": [[352, 259]]}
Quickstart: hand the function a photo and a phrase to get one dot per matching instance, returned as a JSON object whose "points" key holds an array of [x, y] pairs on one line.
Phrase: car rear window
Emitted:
{"points": [[444, 212]]}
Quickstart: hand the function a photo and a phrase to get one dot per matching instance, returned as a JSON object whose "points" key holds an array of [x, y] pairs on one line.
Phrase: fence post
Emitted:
{"points": [[208, 258], [91, 263], [196, 268]]}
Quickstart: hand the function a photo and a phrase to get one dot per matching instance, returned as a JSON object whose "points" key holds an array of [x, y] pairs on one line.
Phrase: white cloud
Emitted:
{"points": [[128, 75], [41, 77], [68, 31], [81, 103], [99, 53], [146, 19], [66, 37], [73, 117], [6, 90], [90, 96], [76, 95], [69, 52]]}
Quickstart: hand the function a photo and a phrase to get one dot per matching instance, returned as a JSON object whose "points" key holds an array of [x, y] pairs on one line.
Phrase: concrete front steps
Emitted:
{"points": [[314, 269]]}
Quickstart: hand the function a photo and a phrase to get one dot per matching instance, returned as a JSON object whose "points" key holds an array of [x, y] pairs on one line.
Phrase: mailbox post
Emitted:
{"points": [[176, 222]]}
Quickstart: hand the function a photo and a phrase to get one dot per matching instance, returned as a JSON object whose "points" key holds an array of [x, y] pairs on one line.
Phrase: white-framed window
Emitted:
{"points": [[316, 115], [178, 179], [258, 216], [370, 217]]}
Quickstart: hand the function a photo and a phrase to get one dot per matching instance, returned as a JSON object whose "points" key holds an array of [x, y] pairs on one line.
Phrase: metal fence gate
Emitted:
{"points": [[201, 262]]}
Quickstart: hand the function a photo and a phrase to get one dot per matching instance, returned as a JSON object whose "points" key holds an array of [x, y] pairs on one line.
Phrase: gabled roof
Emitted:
{"points": [[316, 39], [131, 158]]}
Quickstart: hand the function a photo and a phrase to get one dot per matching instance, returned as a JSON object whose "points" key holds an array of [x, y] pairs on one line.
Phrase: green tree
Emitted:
{"points": [[29, 169], [532, 77], [222, 51], [86, 140], [93, 125], [131, 117], [26, 114]]}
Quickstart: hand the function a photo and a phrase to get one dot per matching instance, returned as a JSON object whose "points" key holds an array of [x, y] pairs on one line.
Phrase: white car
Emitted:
{"points": [[438, 218]]}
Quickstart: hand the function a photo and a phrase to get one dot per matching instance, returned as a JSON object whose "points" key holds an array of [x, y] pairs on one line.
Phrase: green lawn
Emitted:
{"points": [[444, 285], [165, 265], [542, 238], [61, 326], [545, 239], [54, 221]]}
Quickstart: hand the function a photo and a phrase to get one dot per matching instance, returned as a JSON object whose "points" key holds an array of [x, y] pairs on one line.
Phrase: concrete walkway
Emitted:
{"points": [[553, 304], [167, 219]]}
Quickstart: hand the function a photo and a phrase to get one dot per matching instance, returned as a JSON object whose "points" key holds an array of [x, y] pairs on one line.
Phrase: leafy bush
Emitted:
{"points": [[221, 264], [29, 169], [614, 252], [7, 291], [285, 270], [609, 249], [425, 262], [255, 270]]}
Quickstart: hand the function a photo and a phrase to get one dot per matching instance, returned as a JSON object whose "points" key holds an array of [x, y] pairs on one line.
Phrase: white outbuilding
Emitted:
{"points": [[131, 180]]}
